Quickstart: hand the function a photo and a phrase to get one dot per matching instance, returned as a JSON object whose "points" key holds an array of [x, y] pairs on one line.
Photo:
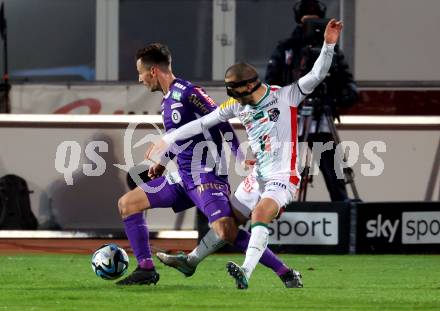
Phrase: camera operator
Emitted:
{"points": [[290, 60]]}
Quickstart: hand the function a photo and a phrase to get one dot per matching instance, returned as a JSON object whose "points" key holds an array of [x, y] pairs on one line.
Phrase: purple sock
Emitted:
{"points": [[136, 230], [269, 259]]}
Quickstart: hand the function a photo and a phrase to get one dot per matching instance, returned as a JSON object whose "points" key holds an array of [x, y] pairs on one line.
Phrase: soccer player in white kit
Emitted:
{"points": [[269, 115]]}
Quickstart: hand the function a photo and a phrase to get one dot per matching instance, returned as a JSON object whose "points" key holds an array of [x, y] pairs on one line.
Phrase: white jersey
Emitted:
{"points": [[271, 124], [271, 127]]}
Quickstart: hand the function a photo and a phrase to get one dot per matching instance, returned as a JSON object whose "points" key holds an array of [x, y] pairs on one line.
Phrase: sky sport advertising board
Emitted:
{"points": [[401, 227]]}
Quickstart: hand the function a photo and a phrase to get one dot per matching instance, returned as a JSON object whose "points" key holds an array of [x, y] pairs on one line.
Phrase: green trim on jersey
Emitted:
{"points": [[265, 95], [259, 224]]}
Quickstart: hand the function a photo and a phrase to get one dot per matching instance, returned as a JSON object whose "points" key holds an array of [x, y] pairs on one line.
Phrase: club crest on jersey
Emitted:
{"points": [[176, 95], [176, 117], [274, 113]]}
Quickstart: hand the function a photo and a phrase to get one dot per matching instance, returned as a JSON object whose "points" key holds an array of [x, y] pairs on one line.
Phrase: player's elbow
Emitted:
{"points": [[203, 125], [319, 75]]}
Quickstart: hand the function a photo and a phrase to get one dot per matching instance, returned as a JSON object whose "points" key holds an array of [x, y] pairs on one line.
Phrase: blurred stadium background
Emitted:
{"points": [[72, 77]]}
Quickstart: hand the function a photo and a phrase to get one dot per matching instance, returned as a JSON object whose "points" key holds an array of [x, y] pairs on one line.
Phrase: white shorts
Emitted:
{"points": [[252, 189]]}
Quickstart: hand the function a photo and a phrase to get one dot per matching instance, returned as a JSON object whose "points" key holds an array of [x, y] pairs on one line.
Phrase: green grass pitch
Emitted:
{"points": [[66, 282]]}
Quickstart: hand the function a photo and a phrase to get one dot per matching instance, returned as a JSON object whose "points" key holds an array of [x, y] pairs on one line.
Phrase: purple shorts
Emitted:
{"points": [[212, 199]]}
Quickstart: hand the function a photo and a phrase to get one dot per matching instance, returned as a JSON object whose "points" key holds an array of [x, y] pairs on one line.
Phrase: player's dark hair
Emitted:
{"points": [[154, 54]]}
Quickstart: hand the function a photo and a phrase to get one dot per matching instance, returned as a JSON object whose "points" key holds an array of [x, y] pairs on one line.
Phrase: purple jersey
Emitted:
{"points": [[184, 103]]}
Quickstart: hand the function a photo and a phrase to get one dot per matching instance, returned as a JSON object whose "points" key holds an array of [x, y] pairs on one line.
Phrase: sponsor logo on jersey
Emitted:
{"points": [[217, 194], [259, 115], [274, 113], [195, 100], [276, 184], [215, 186], [216, 212], [272, 102], [206, 97], [176, 105], [246, 114], [176, 95]]}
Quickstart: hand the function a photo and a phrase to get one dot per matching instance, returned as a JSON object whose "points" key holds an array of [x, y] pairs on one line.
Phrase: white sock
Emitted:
{"points": [[209, 244], [257, 246]]}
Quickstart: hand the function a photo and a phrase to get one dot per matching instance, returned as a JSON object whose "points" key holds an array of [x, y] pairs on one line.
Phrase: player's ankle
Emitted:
{"points": [[192, 260], [282, 270], [146, 264]]}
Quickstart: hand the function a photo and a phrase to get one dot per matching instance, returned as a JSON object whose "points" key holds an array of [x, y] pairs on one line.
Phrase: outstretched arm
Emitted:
{"points": [[203, 105], [322, 64], [186, 131], [192, 128]]}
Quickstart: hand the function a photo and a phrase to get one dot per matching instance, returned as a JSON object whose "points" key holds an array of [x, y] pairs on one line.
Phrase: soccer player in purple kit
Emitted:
{"points": [[197, 183]]}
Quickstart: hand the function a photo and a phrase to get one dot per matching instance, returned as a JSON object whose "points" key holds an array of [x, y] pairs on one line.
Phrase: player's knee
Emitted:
{"points": [[259, 215], [240, 219], [225, 236], [125, 206], [121, 205], [226, 230]]}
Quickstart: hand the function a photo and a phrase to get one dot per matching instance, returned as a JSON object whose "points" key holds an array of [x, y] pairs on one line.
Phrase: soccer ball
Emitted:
{"points": [[109, 262]]}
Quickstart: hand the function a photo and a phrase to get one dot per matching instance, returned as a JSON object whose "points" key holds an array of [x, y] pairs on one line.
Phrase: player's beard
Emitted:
{"points": [[155, 87]]}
